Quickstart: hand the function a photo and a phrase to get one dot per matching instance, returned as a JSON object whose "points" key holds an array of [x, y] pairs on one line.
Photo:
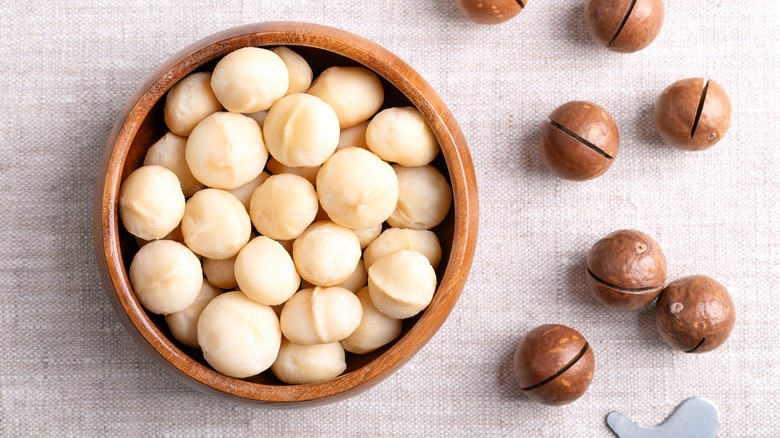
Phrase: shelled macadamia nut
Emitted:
{"points": [[283, 206], [188, 102], [695, 314], [151, 202], [298, 70], [553, 364], [166, 277], [624, 25], [302, 364], [239, 337], [424, 198], [215, 224], [320, 315], [226, 150], [357, 189], [395, 239], [244, 192], [259, 117], [220, 273], [692, 114], [490, 11], [626, 270], [301, 130], [579, 141], [265, 272], [326, 254], [168, 152], [401, 284], [250, 79], [354, 137], [375, 330], [368, 234], [355, 93], [277, 168], [184, 325], [401, 135], [357, 280]]}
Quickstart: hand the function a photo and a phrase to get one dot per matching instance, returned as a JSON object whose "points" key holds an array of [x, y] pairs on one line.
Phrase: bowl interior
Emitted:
{"points": [[144, 125]]}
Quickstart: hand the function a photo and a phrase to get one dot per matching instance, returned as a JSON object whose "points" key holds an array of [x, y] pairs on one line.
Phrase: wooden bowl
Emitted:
{"points": [[141, 123]]}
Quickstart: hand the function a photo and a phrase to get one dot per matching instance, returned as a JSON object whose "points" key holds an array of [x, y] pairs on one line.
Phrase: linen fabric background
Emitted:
{"points": [[68, 368]]}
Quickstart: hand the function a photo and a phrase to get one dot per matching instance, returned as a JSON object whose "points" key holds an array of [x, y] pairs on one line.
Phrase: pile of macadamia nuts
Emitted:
{"points": [[306, 205]]}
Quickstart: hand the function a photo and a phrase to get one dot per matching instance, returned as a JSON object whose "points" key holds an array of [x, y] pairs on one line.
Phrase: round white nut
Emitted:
{"points": [[244, 192], [375, 330], [166, 277], [151, 202], [401, 135], [226, 150], [283, 206], [301, 364], [277, 168], [215, 224], [357, 280], [265, 272], [401, 284], [357, 189], [354, 137], [258, 117], [368, 234], [355, 93], [184, 325], [220, 273], [395, 239], [326, 254], [239, 337], [168, 152], [299, 71], [301, 130], [188, 102], [320, 315], [424, 198], [249, 79]]}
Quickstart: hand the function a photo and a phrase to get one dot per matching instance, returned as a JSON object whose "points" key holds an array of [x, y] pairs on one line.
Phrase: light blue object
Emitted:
{"points": [[696, 417]]}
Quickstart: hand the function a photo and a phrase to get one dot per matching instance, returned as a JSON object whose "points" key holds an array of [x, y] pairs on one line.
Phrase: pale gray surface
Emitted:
{"points": [[67, 367]]}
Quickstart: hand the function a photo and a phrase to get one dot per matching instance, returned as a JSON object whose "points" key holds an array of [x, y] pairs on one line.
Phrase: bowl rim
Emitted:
{"points": [[106, 224]]}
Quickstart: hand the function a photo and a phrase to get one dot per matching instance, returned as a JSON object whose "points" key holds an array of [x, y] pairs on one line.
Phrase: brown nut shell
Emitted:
{"points": [[626, 270], [692, 114], [490, 11], [624, 25], [553, 364], [580, 141], [695, 314]]}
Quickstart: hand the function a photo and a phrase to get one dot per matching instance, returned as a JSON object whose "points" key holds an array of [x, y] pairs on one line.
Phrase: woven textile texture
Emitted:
{"points": [[68, 367]]}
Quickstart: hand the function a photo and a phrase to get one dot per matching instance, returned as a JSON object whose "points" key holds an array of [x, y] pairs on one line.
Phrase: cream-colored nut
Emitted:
{"points": [[166, 276], [355, 93], [358, 279], [357, 189], [215, 224], [220, 273], [244, 192], [375, 330], [301, 130], [173, 235], [424, 198], [301, 364], [354, 137], [151, 202], [299, 71], [265, 272], [188, 102], [277, 168], [283, 206], [321, 315], [168, 152], [326, 254], [258, 117], [401, 135], [239, 337], [184, 325], [226, 150], [401, 283], [396, 239], [249, 79], [368, 234]]}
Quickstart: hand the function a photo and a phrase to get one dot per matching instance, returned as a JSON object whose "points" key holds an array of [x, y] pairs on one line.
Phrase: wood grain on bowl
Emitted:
{"points": [[141, 123]]}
